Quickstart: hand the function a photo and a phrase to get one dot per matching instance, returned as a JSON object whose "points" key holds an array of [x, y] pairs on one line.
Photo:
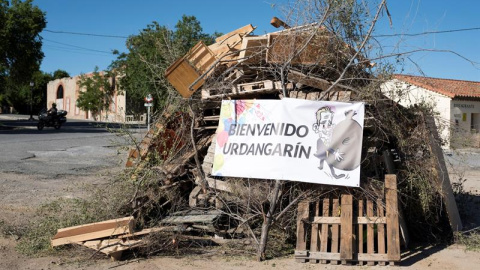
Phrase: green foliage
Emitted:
{"points": [[188, 32], [470, 239], [96, 92], [20, 49], [150, 53], [59, 73]]}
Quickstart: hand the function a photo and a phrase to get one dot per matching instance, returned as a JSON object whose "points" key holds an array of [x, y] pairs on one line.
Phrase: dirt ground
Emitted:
{"points": [[26, 192]]}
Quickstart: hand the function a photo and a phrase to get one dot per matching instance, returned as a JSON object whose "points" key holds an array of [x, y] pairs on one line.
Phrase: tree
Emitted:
{"points": [[97, 92], [59, 73], [20, 49], [150, 53]]}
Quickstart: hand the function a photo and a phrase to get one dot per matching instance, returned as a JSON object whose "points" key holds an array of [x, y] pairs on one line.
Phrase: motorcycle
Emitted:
{"points": [[56, 121]]}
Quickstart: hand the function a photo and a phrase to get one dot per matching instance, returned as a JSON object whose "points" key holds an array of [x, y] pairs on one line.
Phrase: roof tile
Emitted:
{"points": [[448, 87]]}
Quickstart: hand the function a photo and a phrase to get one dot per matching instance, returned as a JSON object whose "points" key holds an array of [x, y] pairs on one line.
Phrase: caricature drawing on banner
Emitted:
{"points": [[337, 145]]}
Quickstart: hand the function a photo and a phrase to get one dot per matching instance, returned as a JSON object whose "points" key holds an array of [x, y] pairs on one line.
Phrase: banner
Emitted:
{"points": [[290, 139]]}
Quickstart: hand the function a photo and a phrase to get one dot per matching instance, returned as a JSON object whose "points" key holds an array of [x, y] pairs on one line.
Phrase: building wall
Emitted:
{"points": [[457, 119], [116, 112], [407, 95]]}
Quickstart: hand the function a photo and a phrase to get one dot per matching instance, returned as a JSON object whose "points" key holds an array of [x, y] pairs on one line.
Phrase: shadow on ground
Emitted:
{"points": [[30, 127]]}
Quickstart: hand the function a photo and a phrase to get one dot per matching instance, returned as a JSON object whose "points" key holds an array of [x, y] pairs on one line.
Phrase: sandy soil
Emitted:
{"points": [[26, 192]]}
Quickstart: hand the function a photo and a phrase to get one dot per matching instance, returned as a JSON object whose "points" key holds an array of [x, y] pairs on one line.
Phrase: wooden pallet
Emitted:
{"points": [[240, 90], [347, 230]]}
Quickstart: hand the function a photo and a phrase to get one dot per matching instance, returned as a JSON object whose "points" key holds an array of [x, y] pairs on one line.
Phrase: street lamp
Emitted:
{"points": [[31, 96]]}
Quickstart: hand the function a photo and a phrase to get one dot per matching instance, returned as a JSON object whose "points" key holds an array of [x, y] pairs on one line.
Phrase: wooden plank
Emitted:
{"points": [[242, 31], [346, 236], [314, 238], [372, 257], [91, 231], [326, 220], [358, 220], [371, 220], [218, 184], [393, 236], [381, 229], [360, 230], [204, 219], [253, 50], [443, 180], [370, 231], [335, 230], [311, 80], [302, 214], [148, 231], [324, 235], [328, 256], [115, 247]]}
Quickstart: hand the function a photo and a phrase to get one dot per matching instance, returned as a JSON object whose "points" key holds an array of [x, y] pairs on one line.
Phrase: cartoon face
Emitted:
{"points": [[324, 117]]}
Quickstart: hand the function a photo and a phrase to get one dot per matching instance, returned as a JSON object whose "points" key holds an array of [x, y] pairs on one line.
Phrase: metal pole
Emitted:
{"points": [[148, 118], [31, 96]]}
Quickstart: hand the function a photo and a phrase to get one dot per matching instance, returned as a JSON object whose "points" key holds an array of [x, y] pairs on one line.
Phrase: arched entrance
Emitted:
{"points": [[59, 98]]}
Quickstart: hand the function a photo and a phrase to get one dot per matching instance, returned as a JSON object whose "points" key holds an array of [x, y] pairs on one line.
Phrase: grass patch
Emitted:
{"points": [[470, 239], [104, 203]]}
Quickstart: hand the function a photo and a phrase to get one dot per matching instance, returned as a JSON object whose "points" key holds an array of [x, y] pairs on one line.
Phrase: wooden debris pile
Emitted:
{"points": [[300, 62]]}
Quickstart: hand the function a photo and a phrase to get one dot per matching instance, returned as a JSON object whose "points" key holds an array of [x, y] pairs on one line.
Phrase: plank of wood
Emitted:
{"points": [[370, 231], [324, 235], [360, 230], [148, 231], [393, 234], [329, 256], [253, 50], [218, 184], [91, 227], [205, 219], [358, 220], [115, 247], [302, 214], [372, 257], [91, 231], [209, 157], [346, 237], [243, 31], [335, 230], [314, 240], [381, 229], [443, 180]]}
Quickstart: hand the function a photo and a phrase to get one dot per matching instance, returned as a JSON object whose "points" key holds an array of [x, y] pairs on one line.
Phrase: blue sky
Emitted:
{"points": [[81, 53]]}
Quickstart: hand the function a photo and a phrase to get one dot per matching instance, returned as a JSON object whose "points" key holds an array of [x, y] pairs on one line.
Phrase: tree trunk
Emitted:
{"points": [[267, 222]]}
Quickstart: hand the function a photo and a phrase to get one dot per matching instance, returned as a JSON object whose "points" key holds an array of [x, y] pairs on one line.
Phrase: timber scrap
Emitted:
{"points": [[237, 66]]}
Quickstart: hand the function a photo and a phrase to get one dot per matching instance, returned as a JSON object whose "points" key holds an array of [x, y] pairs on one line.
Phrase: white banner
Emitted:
{"points": [[290, 139]]}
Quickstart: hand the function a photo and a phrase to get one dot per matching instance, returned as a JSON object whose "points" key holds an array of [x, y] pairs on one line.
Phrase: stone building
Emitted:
{"points": [[65, 92]]}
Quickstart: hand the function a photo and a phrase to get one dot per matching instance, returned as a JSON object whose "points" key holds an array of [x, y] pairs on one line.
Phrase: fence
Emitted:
{"points": [[345, 230]]}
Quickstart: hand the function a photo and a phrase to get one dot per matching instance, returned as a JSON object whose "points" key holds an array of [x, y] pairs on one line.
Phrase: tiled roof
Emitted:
{"points": [[448, 87]]}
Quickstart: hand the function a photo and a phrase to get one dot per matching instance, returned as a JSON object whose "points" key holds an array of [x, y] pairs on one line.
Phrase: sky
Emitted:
{"points": [[451, 55]]}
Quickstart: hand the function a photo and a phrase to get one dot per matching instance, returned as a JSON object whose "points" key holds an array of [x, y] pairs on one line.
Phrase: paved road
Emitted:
{"points": [[78, 147]]}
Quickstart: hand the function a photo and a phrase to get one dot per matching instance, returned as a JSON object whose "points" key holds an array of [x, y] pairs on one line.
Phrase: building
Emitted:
{"points": [[65, 91], [457, 102]]}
